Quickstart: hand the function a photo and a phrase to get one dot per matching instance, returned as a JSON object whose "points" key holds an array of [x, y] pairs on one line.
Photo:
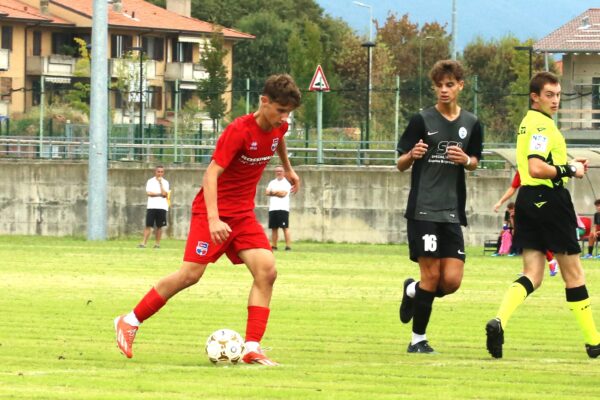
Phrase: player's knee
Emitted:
{"points": [[266, 275], [450, 287], [189, 277]]}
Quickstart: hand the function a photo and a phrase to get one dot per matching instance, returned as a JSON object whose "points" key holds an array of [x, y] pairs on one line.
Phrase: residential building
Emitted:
{"points": [[578, 41], [39, 50]]}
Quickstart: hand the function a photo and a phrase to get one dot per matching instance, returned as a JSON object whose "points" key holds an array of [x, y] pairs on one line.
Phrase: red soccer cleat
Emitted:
{"points": [[258, 357], [125, 335]]}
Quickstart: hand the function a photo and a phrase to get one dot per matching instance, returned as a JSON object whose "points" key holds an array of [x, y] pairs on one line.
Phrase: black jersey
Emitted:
{"points": [[437, 188]]}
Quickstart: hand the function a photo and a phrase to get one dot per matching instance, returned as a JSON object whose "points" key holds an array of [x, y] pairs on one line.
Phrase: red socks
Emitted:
{"points": [[257, 323], [149, 305]]}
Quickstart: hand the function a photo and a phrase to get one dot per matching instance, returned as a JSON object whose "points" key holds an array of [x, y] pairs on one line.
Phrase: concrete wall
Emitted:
{"points": [[339, 204]]}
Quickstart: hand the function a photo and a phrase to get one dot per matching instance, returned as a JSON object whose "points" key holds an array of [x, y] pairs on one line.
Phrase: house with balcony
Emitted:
{"points": [[39, 52], [578, 41]]}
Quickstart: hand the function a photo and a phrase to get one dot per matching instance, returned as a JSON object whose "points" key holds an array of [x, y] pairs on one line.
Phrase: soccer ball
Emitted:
{"points": [[224, 347]]}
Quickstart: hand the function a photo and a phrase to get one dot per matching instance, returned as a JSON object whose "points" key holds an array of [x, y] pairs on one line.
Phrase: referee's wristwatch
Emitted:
{"points": [[572, 170]]}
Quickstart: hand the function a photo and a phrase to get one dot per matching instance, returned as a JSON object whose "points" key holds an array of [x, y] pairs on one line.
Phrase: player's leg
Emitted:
{"points": [[552, 263], [533, 273], [126, 326], [199, 251], [579, 301], [452, 255], [425, 291], [451, 274], [261, 264]]}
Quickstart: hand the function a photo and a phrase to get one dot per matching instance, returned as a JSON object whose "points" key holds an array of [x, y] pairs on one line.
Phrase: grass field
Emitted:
{"points": [[334, 327]]}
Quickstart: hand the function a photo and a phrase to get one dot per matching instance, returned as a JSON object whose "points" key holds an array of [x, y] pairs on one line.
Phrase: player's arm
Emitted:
{"points": [[289, 172], [411, 146], [540, 169], [469, 157], [458, 156], [507, 195], [219, 230]]}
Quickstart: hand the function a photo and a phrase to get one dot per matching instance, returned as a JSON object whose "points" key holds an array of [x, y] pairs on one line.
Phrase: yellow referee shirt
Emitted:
{"points": [[539, 137]]}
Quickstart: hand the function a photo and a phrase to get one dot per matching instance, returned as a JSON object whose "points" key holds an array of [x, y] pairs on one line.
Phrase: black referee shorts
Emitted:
{"points": [[545, 220], [279, 219]]}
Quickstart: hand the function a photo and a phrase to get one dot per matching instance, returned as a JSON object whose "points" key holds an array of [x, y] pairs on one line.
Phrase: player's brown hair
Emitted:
{"points": [[597, 202], [445, 68], [540, 79], [282, 89]]}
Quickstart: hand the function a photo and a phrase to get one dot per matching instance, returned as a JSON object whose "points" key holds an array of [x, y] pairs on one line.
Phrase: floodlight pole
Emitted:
{"points": [[98, 157]]}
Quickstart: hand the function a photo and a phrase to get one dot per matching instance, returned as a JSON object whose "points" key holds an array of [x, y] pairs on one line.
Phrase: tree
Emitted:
{"points": [[78, 96], [211, 90]]}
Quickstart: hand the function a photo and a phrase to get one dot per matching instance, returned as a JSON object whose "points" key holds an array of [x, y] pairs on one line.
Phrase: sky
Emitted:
{"points": [[486, 18]]}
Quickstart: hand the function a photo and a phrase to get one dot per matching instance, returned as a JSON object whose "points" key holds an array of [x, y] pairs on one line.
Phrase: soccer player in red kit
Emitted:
{"points": [[223, 219]]}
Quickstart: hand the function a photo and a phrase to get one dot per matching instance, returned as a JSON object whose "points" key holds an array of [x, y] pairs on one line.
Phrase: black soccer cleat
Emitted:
{"points": [[495, 337], [407, 307], [593, 350], [421, 347]]}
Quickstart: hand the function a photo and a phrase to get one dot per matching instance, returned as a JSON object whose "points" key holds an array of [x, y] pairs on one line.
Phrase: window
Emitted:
{"points": [[7, 37], [153, 47], [154, 101], [5, 89], [119, 45], [181, 51], [37, 43], [62, 43]]}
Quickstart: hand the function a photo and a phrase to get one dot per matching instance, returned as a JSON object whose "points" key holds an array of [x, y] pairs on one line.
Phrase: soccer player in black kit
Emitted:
{"points": [[439, 143]]}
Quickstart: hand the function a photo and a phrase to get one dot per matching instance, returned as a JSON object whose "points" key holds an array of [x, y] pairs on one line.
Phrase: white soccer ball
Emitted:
{"points": [[225, 346]]}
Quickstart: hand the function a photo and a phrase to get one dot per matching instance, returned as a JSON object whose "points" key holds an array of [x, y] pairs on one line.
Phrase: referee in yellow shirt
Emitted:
{"points": [[544, 216]]}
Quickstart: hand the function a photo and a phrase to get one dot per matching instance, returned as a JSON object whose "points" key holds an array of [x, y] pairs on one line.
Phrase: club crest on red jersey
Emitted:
{"points": [[202, 248], [275, 143], [253, 145]]}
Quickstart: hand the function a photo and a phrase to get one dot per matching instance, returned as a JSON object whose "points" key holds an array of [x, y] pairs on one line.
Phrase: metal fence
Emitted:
{"points": [[198, 151]]}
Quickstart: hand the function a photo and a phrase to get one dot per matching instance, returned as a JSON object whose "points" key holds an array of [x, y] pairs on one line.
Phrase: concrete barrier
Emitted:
{"points": [[337, 204]]}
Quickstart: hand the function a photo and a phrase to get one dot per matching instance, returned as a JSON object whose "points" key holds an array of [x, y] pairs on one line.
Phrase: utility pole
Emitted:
{"points": [[97, 209]]}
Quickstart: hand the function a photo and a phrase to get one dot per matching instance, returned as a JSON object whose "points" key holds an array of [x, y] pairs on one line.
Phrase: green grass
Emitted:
{"points": [[334, 327]]}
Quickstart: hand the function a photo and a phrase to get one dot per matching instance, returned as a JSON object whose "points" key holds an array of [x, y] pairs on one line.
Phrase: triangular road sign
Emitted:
{"points": [[319, 82]]}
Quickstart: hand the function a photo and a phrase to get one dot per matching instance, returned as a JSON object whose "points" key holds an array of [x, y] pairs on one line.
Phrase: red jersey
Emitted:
{"points": [[243, 150]]}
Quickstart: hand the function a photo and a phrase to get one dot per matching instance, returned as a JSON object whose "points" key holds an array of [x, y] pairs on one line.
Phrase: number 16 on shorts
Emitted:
{"points": [[429, 243]]}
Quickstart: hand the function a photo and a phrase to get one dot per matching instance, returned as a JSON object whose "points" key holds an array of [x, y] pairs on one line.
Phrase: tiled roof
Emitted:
{"points": [[581, 34], [141, 14], [13, 9]]}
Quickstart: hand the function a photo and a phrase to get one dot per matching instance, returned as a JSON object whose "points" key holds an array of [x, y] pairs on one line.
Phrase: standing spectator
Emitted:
{"points": [[278, 191], [223, 221], [594, 231], [157, 190], [440, 143], [545, 218]]}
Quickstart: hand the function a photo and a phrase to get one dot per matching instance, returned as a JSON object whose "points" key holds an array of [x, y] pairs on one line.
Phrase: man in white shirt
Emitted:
{"points": [[278, 191], [157, 189]]}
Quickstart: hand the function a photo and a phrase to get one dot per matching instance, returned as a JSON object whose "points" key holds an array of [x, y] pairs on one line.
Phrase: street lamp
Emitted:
{"points": [[369, 45], [421, 69], [141, 88], [530, 50]]}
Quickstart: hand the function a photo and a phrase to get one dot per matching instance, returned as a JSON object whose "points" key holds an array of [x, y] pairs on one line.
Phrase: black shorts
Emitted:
{"points": [[545, 220], [279, 219], [435, 239], [156, 217]]}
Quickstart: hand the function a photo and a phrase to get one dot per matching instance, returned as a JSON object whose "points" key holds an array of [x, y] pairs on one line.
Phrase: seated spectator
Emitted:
{"points": [[594, 232]]}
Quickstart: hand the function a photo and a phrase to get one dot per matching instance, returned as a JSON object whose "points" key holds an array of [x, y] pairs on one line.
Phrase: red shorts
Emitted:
{"points": [[246, 233]]}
